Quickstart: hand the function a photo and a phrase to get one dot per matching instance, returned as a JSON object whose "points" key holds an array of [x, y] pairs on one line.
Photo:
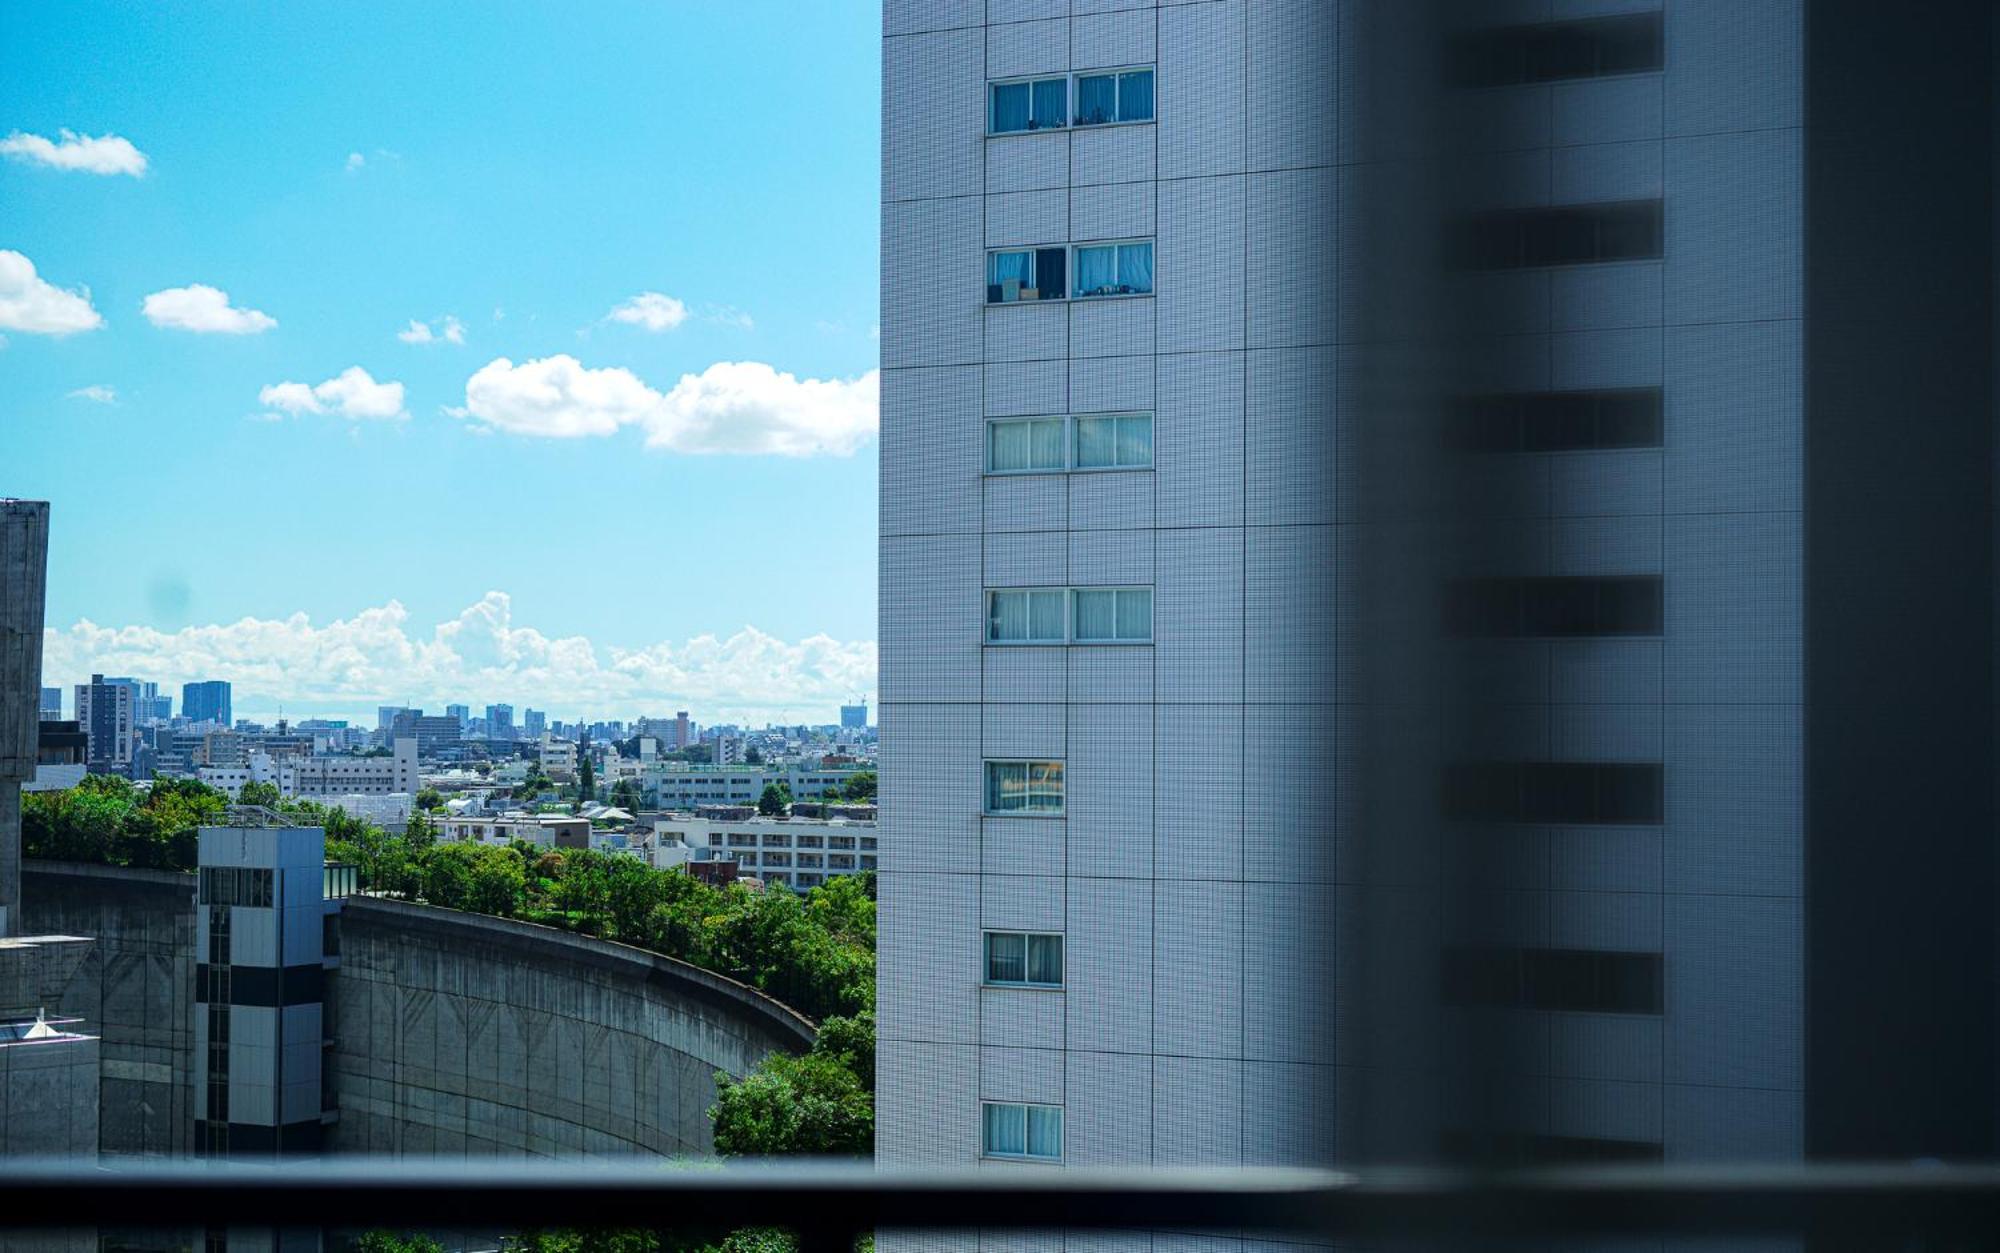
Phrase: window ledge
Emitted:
{"points": [[1023, 987], [1043, 817]]}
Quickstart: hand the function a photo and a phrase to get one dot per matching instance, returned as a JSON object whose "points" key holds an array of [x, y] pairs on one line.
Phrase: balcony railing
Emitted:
{"points": [[1860, 1205]]}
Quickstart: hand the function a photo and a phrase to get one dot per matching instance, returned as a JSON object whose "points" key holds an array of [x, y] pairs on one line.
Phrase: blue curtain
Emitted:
{"points": [[1135, 267], [1010, 107], [1051, 103], [1135, 96], [1096, 269], [1096, 99]]}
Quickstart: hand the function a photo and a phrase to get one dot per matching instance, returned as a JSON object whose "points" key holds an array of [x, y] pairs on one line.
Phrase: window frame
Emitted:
{"points": [[1034, 251], [1072, 437], [1029, 80], [1076, 96], [1112, 641], [989, 1153], [986, 809], [1076, 268], [986, 630], [988, 935]]}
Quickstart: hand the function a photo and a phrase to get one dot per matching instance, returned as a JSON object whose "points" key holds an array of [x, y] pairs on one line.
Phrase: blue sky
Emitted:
{"points": [[523, 169]]}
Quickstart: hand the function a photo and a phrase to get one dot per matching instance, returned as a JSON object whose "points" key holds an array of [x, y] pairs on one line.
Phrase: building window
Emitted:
{"points": [[1029, 1132], [1024, 787], [1025, 616], [1563, 235], [1582, 793], [1557, 608], [1019, 274], [1027, 446], [1576, 980], [1567, 421], [1511, 55], [1024, 959], [1029, 104], [1121, 442], [1109, 96], [1107, 615], [1120, 269]]}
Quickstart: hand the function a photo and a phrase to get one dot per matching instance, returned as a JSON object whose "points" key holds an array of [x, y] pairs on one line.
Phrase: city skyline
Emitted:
{"points": [[409, 348]]}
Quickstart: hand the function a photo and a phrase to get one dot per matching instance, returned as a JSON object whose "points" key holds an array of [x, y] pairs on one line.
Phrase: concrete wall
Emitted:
{"points": [[454, 1032], [132, 991]]}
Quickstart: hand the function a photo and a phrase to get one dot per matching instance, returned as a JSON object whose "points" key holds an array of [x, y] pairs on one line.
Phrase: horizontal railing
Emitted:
{"points": [[827, 1204]]}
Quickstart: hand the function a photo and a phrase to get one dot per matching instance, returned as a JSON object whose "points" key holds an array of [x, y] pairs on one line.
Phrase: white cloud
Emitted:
{"points": [[97, 393], [730, 315], [448, 330], [103, 154], [652, 310], [350, 394], [731, 407], [204, 310], [378, 656], [355, 161], [31, 304]]}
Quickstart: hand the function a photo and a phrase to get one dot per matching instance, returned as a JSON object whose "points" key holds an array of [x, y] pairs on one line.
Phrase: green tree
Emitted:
{"points": [[860, 786], [626, 796], [794, 1105], [851, 1042], [586, 775], [776, 799], [397, 1242], [255, 793], [419, 833], [429, 798], [534, 785]]}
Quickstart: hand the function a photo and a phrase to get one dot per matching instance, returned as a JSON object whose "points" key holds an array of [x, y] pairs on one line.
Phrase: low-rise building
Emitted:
{"points": [[541, 830], [676, 785], [798, 852], [315, 777]]}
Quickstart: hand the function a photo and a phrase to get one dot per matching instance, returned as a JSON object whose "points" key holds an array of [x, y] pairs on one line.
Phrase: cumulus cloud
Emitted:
{"points": [[97, 393], [379, 656], [652, 310], [204, 310], [32, 304], [350, 394], [731, 407], [447, 329], [355, 161], [102, 154]]}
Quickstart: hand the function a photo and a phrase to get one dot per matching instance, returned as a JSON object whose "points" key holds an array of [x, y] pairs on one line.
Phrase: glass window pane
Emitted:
{"points": [[1007, 273], [1010, 107], [1007, 1129], [1044, 1131], [1006, 785], [1135, 96], [1135, 615], [1135, 442], [1005, 958], [1045, 964], [1135, 267], [1007, 445], [1094, 443], [1007, 616], [1051, 104], [1096, 99], [1047, 453], [1045, 616], [1045, 786], [1096, 615], [1096, 270]]}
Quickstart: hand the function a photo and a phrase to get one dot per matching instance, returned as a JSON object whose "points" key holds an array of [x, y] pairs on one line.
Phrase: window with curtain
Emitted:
{"points": [[1015, 274], [1112, 615], [1024, 787], [1122, 269], [1025, 958], [1120, 442], [1028, 105], [1025, 616], [1025, 1131], [1033, 445], [1114, 96]]}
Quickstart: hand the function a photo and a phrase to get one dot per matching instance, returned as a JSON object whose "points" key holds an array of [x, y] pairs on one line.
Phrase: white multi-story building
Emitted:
{"points": [[674, 785], [314, 777], [558, 757], [542, 830], [800, 852]]}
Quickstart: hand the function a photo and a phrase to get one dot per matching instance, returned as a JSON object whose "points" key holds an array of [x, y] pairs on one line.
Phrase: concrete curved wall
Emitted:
{"points": [[453, 1033], [459, 1033]]}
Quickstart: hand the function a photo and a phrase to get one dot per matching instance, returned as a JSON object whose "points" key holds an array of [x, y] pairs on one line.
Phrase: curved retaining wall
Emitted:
{"points": [[453, 1033], [460, 1033]]}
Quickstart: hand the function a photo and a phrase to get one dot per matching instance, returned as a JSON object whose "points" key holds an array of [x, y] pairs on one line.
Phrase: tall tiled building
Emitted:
{"points": [[1436, 580]]}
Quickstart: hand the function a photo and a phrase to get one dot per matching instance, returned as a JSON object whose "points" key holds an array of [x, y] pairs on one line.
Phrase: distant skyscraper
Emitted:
{"points": [[533, 723], [51, 704], [385, 715], [461, 712], [104, 709], [500, 722], [854, 717], [683, 730], [206, 701]]}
